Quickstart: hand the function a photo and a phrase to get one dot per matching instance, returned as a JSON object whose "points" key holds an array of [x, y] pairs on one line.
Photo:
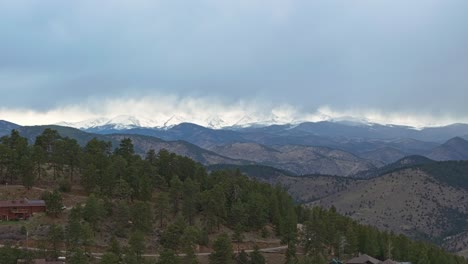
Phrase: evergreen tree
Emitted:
{"points": [[55, 237], [93, 211], [238, 236], [190, 199], [175, 193], [48, 142], [257, 257], [53, 202], [171, 237], [78, 256], [168, 256], [142, 216], [137, 244], [242, 258], [222, 250], [115, 248], [110, 258], [189, 239], [126, 150], [162, 208]]}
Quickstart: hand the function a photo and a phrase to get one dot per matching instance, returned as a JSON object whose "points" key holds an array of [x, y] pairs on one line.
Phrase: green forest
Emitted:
{"points": [[169, 204]]}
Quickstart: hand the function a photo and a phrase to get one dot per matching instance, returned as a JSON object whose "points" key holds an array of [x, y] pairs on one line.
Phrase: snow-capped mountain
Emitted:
{"points": [[119, 123], [124, 122], [173, 121], [128, 122], [251, 121], [216, 122]]}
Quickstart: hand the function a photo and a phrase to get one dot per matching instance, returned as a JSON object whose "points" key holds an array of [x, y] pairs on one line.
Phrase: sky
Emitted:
{"points": [[387, 61]]}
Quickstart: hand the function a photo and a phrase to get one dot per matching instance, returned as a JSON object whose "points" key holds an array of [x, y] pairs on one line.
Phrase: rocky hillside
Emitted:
{"points": [[145, 143], [385, 155], [405, 162], [300, 160], [303, 189], [422, 205], [6, 127], [454, 149]]}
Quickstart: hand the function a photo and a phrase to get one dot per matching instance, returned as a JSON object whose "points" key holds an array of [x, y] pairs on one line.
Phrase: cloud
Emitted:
{"points": [[156, 111], [374, 56]]}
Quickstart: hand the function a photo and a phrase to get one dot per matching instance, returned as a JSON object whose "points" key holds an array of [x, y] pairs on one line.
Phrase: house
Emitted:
{"points": [[389, 261], [363, 259], [20, 209], [335, 261]]}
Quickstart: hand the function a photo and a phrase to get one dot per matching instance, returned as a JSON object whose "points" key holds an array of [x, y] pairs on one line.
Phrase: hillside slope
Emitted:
{"points": [[6, 127], [454, 149], [300, 160], [143, 144], [422, 206], [405, 162], [383, 155]]}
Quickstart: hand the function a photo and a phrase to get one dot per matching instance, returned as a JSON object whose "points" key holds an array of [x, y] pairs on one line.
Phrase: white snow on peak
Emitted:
{"points": [[123, 122], [173, 121], [89, 123], [245, 121], [120, 123], [351, 121], [216, 122]]}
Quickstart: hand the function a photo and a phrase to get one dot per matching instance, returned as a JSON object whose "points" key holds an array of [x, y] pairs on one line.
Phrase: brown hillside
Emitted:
{"points": [[145, 143], [408, 201], [310, 188], [300, 160]]}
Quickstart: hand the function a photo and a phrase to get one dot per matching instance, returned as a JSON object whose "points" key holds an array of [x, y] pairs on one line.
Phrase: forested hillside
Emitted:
{"points": [[166, 204]]}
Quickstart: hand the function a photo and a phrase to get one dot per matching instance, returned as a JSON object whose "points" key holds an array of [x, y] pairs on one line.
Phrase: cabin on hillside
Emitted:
{"points": [[389, 261], [20, 209], [363, 259]]}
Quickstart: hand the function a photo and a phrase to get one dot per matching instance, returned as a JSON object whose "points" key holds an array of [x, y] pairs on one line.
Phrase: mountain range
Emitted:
{"points": [[333, 148], [357, 168], [329, 128]]}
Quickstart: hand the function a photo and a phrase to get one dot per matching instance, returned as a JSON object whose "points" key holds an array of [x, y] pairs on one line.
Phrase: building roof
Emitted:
{"points": [[389, 261], [363, 259], [22, 203]]}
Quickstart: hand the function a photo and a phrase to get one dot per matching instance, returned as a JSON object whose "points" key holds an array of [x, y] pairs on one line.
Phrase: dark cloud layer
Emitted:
{"points": [[386, 55]]}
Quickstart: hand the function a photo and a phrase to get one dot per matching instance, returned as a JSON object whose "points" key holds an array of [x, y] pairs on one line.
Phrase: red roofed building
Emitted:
{"points": [[20, 209]]}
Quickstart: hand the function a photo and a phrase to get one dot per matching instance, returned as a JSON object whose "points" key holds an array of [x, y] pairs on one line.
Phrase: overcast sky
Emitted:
{"points": [[393, 61]]}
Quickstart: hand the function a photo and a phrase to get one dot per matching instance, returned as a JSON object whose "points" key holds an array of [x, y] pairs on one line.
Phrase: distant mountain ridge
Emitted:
{"points": [[331, 127], [215, 122], [454, 149], [298, 159], [305, 148], [6, 127]]}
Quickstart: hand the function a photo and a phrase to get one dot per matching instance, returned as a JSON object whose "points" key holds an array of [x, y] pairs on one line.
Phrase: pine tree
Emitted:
{"points": [[93, 211], [168, 256], [137, 244], [175, 193], [222, 250], [190, 199], [243, 258], [257, 257], [162, 208], [55, 237], [53, 202]]}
